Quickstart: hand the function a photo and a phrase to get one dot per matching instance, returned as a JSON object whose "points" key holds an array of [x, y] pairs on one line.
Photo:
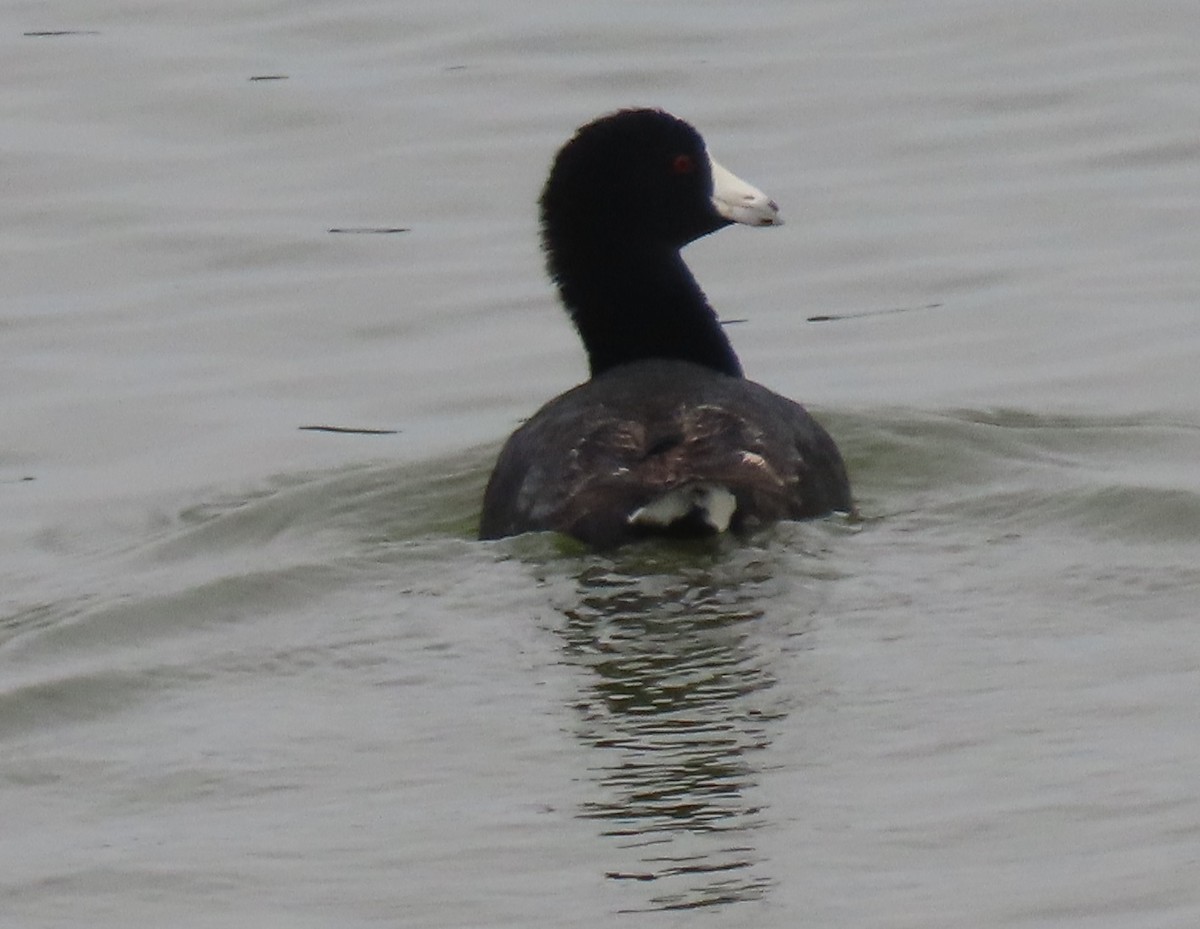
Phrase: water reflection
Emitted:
{"points": [[678, 707]]}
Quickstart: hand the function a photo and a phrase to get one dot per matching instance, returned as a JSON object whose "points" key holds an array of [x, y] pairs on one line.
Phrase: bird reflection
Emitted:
{"points": [[679, 705]]}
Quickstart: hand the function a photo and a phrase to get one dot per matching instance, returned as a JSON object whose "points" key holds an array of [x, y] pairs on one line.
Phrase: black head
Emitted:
{"points": [[640, 176]]}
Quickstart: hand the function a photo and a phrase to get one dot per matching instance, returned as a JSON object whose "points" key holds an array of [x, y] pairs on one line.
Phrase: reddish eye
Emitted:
{"points": [[683, 164]]}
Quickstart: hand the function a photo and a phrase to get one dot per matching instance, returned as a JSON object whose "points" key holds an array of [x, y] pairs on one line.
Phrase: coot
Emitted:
{"points": [[667, 437]]}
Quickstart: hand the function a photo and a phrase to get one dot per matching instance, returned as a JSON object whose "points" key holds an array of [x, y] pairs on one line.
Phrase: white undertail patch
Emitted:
{"points": [[713, 503]]}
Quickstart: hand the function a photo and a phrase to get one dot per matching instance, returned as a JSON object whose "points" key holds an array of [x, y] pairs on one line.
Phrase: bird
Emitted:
{"points": [[667, 437]]}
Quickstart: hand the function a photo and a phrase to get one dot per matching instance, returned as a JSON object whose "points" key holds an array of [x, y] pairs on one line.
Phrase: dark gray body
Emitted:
{"points": [[591, 457]]}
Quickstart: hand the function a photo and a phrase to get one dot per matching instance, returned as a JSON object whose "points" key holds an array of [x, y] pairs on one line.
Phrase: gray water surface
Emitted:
{"points": [[257, 676]]}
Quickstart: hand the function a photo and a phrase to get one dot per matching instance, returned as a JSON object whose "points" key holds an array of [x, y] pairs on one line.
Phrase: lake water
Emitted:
{"points": [[253, 675]]}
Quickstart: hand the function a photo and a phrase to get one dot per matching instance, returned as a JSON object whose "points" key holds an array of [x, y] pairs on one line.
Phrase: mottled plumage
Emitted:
{"points": [[593, 456]]}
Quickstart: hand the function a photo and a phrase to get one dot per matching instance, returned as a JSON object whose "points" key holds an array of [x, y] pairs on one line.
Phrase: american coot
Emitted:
{"points": [[667, 437]]}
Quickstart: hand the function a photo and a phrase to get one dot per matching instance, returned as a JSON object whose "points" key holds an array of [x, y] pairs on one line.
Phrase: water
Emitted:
{"points": [[254, 675]]}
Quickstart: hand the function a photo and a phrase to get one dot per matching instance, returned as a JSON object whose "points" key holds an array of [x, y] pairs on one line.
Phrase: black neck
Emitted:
{"points": [[640, 304]]}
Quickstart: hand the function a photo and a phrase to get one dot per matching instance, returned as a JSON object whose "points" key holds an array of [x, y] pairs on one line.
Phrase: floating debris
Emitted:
{"points": [[50, 33], [348, 430], [834, 317], [369, 230]]}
